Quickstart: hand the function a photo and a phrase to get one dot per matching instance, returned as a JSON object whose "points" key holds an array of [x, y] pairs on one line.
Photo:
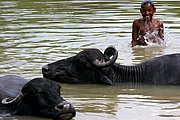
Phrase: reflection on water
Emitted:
{"points": [[145, 53], [116, 102], [37, 32]]}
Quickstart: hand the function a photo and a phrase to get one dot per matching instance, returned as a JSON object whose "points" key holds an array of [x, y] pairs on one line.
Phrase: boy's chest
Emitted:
{"points": [[151, 27]]}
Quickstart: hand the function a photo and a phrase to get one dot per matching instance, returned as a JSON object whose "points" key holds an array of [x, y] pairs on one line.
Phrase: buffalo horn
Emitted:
{"points": [[6, 101], [109, 51]]}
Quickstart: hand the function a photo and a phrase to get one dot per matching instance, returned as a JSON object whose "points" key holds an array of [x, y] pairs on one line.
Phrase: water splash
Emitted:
{"points": [[154, 39]]}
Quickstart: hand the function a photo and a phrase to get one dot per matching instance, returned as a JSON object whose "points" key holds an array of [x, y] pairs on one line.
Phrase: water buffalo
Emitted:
{"points": [[38, 97], [93, 66]]}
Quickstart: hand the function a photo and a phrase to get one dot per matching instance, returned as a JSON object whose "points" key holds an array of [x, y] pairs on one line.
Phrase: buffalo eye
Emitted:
{"points": [[57, 87], [59, 91]]}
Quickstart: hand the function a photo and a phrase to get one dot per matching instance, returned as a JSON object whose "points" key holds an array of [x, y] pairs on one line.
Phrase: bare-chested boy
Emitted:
{"points": [[146, 25]]}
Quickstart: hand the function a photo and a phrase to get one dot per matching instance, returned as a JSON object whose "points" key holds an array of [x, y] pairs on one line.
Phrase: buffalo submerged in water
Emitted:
{"points": [[94, 67], [38, 97]]}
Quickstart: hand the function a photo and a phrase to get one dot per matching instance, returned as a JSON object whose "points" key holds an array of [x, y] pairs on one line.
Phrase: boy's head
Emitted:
{"points": [[147, 2], [147, 9]]}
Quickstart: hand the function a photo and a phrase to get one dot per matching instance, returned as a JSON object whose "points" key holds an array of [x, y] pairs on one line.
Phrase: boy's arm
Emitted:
{"points": [[161, 30], [134, 34]]}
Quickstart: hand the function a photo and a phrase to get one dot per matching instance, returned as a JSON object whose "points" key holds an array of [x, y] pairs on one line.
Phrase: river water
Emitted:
{"points": [[37, 32]]}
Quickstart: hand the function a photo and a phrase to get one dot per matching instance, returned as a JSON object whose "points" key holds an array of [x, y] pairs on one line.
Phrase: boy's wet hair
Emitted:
{"points": [[147, 2]]}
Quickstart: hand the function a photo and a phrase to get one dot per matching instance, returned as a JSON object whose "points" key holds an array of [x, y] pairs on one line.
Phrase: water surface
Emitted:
{"points": [[37, 32]]}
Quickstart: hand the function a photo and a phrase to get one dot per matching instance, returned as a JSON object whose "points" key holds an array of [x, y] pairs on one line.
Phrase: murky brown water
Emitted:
{"points": [[37, 32]]}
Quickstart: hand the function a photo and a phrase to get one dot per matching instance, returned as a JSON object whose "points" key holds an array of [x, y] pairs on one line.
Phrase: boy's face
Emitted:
{"points": [[147, 11]]}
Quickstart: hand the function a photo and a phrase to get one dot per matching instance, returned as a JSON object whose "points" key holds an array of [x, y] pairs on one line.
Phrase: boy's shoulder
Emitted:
{"points": [[157, 21], [137, 21]]}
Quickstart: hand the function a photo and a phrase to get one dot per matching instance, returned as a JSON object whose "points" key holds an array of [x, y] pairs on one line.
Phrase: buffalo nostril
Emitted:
{"points": [[60, 106], [64, 106]]}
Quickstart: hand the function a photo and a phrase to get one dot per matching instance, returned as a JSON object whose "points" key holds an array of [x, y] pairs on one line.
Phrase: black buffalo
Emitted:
{"points": [[93, 66], [38, 97]]}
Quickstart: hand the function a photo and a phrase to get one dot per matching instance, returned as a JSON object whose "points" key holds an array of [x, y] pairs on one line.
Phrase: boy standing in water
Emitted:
{"points": [[146, 26]]}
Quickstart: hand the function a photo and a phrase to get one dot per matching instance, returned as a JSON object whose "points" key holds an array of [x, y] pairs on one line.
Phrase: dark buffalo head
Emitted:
{"points": [[41, 97], [86, 67]]}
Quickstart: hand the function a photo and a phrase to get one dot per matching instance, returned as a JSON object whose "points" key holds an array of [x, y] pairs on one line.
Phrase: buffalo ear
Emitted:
{"points": [[106, 80]]}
